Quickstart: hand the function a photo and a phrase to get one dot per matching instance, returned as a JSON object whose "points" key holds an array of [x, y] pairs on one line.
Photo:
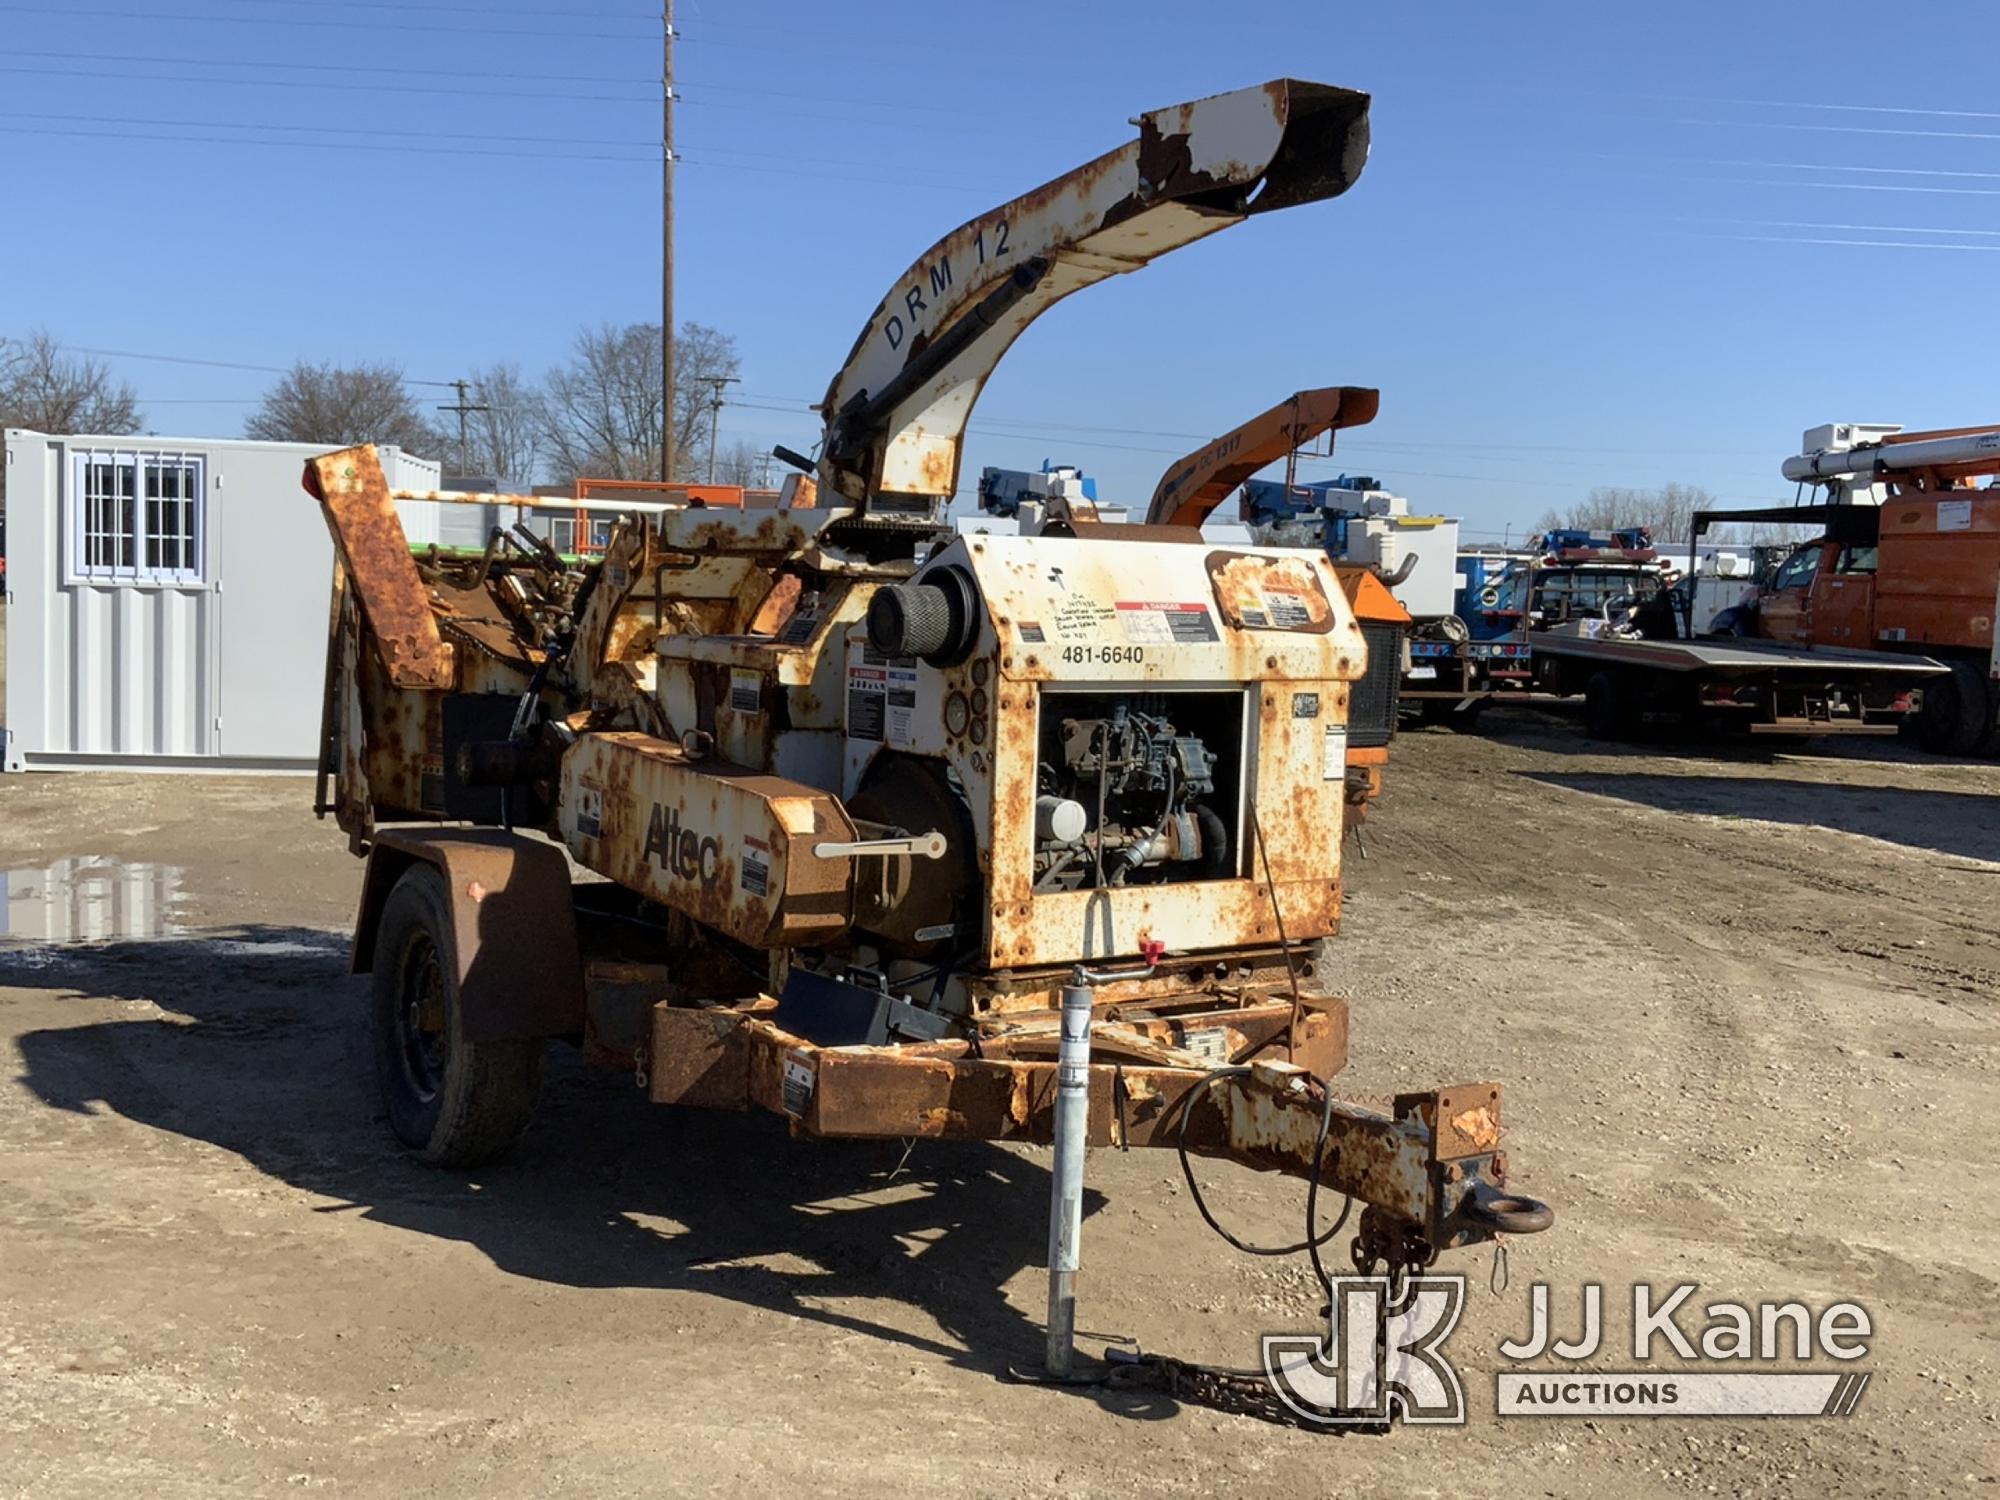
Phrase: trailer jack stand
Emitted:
{"points": [[1066, 1180]]}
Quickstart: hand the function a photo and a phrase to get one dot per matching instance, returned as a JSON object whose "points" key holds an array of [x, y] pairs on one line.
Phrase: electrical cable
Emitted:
{"points": [[1313, 1240]]}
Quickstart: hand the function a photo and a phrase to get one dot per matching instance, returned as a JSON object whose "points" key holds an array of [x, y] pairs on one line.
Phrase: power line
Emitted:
{"points": [[478, 11], [211, 140], [425, 135], [216, 364], [406, 135], [265, 64], [1799, 239], [1341, 456], [1803, 224], [175, 359], [270, 64], [464, 408], [179, 16], [1046, 425], [1788, 166], [1846, 187], [1871, 109], [1948, 135], [290, 84]]}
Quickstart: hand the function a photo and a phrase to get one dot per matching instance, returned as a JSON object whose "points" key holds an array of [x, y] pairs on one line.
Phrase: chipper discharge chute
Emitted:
{"points": [[905, 834]]}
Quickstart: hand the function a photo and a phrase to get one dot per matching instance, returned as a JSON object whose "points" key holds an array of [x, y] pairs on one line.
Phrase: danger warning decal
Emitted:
{"points": [[881, 696], [1148, 622]]}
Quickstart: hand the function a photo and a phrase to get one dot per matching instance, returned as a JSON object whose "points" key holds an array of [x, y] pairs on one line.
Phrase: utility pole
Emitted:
{"points": [[464, 409], [666, 241], [715, 384]]}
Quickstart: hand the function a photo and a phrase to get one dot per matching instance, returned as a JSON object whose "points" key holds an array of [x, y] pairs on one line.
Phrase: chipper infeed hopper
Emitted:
{"points": [[902, 834]]}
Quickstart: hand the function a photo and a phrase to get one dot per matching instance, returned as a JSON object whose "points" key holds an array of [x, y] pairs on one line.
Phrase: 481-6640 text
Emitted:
{"points": [[1110, 656]]}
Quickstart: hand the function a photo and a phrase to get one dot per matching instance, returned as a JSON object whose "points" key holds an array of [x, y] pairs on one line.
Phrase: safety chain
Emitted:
{"points": [[1395, 1247]]}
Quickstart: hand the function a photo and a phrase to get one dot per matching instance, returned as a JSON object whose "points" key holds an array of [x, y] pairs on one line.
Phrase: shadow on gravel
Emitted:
{"points": [[1958, 823], [259, 1047], [1557, 729]]}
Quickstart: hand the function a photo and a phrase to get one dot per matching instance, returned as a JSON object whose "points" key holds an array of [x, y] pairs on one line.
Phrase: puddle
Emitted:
{"points": [[90, 898]]}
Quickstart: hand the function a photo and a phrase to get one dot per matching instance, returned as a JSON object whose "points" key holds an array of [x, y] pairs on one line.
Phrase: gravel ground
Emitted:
{"points": [[1744, 1003]]}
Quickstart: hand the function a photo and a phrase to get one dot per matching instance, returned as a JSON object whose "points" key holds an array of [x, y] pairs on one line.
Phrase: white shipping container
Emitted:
{"points": [[167, 601]]}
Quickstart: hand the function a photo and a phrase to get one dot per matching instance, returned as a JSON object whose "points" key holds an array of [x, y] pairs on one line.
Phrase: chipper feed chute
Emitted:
{"points": [[896, 412]]}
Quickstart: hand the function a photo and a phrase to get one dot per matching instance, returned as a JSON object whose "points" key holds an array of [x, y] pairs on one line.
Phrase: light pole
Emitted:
{"points": [[666, 241]]}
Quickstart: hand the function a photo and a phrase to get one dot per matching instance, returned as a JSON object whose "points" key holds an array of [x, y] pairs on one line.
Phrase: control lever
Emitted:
{"points": [[922, 845]]}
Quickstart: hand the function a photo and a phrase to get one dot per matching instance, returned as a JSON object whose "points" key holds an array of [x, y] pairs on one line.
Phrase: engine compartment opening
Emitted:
{"points": [[1137, 787]]}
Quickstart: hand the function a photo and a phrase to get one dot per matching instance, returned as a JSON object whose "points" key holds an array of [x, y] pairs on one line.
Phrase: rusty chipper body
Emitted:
{"points": [[898, 833]]}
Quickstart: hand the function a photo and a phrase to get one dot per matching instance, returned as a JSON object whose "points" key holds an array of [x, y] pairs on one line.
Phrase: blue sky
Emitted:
{"points": [[1595, 244]]}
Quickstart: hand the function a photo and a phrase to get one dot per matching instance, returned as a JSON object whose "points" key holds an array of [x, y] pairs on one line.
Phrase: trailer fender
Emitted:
{"points": [[514, 943]]}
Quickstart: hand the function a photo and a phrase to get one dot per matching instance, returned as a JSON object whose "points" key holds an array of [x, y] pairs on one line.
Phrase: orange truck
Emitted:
{"points": [[1909, 562]]}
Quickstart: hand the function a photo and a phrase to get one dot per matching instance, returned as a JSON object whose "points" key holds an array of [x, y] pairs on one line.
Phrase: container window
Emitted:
{"points": [[138, 517]]}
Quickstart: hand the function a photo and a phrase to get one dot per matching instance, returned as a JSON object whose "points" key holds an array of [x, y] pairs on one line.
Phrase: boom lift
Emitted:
{"points": [[1031, 839], [1363, 526], [1193, 487], [1908, 562]]}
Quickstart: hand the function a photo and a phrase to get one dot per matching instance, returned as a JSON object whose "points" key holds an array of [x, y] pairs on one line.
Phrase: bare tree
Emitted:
{"points": [[1763, 534], [49, 391], [505, 439], [46, 390], [745, 464], [1668, 511], [601, 411], [343, 405]]}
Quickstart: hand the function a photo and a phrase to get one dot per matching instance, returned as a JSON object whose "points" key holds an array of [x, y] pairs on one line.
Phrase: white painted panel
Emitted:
{"points": [[131, 664], [137, 673]]}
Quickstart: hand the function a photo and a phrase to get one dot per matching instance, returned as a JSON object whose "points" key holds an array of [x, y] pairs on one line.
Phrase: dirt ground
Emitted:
{"points": [[1744, 1003]]}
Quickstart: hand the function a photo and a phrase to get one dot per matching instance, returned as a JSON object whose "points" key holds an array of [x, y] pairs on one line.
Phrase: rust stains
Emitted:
{"points": [[1263, 593], [725, 844], [353, 494]]}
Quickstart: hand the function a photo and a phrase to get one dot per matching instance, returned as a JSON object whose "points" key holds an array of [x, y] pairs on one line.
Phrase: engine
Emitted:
{"points": [[1127, 796]]}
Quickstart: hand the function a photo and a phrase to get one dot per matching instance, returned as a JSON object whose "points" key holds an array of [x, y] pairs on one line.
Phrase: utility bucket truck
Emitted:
{"points": [[1031, 840], [1907, 563]]}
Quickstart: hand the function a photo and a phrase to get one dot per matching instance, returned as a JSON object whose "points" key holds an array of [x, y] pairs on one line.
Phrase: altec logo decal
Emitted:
{"points": [[682, 852]]}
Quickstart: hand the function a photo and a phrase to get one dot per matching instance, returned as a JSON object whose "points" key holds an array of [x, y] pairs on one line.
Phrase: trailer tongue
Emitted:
{"points": [[902, 834]]}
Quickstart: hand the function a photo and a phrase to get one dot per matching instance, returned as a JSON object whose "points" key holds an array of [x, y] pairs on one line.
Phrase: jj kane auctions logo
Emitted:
{"points": [[1383, 1356]]}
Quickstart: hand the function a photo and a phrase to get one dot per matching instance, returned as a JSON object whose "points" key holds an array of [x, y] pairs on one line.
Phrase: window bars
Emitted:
{"points": [[138, 517]]}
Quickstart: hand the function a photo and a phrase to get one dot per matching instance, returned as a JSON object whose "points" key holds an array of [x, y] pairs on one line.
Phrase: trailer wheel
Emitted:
{"points": [[1605, 715], [1466, 720], [1957, 715], [454, 1102]]}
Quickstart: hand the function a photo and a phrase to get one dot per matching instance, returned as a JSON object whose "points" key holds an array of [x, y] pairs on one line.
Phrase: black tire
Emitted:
{"points": [[1957, 715], [1466, 720], [1604, 713], [454, 1102]]}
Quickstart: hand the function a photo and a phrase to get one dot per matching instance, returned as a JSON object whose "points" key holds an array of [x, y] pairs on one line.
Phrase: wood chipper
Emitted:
{"points": [[828, 811]]}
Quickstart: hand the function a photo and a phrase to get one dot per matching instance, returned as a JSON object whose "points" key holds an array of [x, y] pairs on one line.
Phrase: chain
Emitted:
{"points": [[639, 1066]]}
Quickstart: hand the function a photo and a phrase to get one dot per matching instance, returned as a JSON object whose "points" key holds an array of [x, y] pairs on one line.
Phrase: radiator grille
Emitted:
{"points": [[1371, 707]]}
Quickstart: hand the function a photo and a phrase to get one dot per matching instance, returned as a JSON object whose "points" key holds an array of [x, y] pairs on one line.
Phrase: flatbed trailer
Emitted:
{"points": [[1631, 683]]}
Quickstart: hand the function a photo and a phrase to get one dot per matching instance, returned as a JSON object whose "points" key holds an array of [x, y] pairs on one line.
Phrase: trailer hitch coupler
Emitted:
{"points": [[1487, 1208]]}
